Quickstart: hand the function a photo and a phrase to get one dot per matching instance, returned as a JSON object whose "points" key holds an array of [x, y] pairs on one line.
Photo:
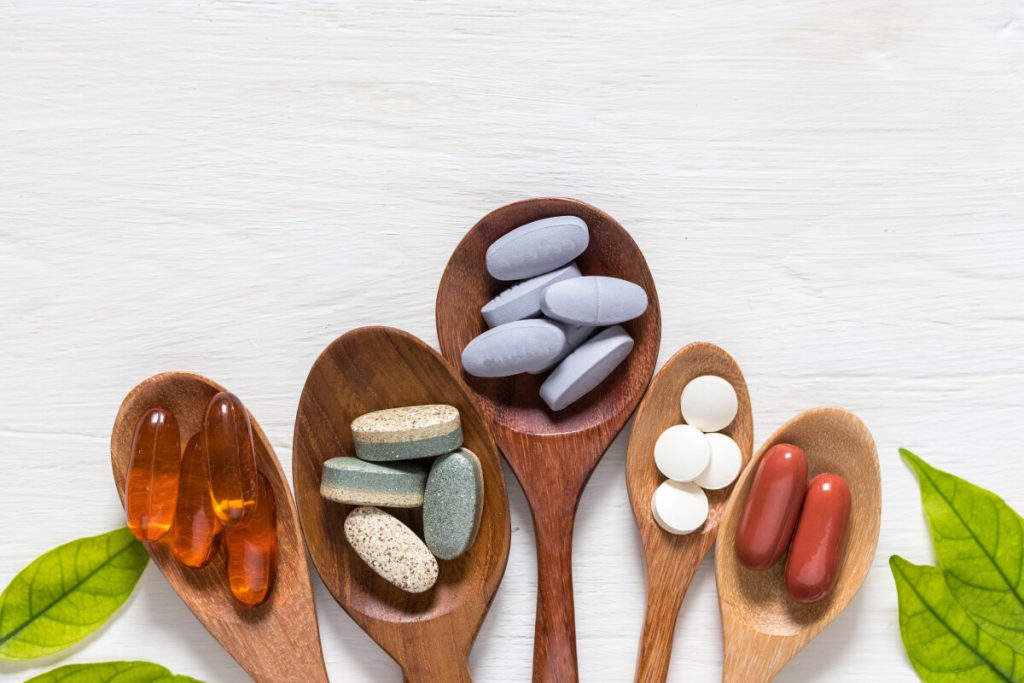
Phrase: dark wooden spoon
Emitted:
{"points": [[551, 454], [278, 640], [372, 368], [673, 560]]}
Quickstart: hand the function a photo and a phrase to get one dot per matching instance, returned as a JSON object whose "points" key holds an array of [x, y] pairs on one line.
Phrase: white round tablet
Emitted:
{"points": [[726, 462], [709, 403], [682, 452], [679, 507]]}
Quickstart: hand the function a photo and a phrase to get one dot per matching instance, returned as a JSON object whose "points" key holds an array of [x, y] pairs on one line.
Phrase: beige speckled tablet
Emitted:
{"points": [[407, 433], [392, 549]]}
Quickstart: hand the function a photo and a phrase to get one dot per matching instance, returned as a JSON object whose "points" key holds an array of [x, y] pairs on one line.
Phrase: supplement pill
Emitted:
{"points": [[709, 403], [252, 549], [391, 549], [682, 452], [230, 458], [724, 465], [679, 507], [452, 504], [151, 486], [586, 367], [510, 349], [772, 507], [537, 247], [195, 535], [594, 300], [523, 300], [356, 482], [407, 433], [817, 549]]}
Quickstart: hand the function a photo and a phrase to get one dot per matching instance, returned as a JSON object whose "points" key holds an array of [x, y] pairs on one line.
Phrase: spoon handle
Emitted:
{"points": [[453, 670], [664, 599], [554, 639]]}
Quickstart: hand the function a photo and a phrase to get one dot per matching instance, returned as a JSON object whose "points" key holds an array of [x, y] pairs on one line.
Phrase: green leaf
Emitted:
{"points": [[109, 672], [68, 593], [944, 644], [979, 541]]}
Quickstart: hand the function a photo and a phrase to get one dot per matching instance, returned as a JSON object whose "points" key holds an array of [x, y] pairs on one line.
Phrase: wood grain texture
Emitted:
{"points": [[429, 634], [552, 453], [279, 639], [763, 628], [829, 191], [672, 560]]}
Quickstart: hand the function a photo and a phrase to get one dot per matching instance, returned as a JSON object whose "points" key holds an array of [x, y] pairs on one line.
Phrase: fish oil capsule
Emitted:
{"points": [[252, 550], [195, 534], [230, 458], [151, 487]]}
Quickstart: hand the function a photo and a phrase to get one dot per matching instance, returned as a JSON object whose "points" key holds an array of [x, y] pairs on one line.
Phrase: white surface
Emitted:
{"points": [[830, 190]]}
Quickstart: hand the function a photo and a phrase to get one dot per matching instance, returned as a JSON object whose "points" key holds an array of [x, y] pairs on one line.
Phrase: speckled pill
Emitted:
{"points": [[537, 247], [513, 348], [407, 433], [357, 482], [594, 300], [522, 300], [453, 503], [391, 549]]}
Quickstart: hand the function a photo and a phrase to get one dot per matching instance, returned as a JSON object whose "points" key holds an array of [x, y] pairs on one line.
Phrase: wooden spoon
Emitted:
{"points": [[372, 368], [278, 640], [552, 454], [762, 627], [673, 560]]}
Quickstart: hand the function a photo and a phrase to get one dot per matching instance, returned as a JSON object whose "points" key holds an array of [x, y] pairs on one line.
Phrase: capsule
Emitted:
{"points": [[230, 458], [772, 507], [151, 489], [252, 550], [195, 535], [817, 549]]}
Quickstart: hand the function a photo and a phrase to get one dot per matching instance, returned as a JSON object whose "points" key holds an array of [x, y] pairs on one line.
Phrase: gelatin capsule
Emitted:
{"points": [[772, 507], [817, 550], [252, 550], [230, 458], [151, 487], [195, 534]]}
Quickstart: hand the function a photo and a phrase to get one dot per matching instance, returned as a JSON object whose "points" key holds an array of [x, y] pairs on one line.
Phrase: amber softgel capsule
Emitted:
{"points": [[230, 456], [195, 535], [151, 489], [252, 549]]}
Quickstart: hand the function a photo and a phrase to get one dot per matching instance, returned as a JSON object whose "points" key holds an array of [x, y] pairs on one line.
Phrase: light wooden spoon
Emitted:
{"points": [[762, 627], [673, 560], [428, 634], [551, 454], [278, 640]]}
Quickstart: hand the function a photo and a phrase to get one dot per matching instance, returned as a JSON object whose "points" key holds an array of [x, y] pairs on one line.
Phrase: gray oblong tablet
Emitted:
{"points": [[586, 367], [594, 300], [537, 247], [452, 504], [407, 433], [523, 300], [512, 348], [574, 336], [357, 482]]}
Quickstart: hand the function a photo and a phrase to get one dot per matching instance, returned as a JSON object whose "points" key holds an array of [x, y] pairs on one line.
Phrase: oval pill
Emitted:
{"points": [[574, 336], [679, 507], [772, 507], [195, 534], [152, 479], [586, 367], [251, 549], [522, 300], [724, 465], [537, 247], [682, 452], [357, 482], [230, 455], [513, 348], [391, 549], [594, 300], [407, 433], [452, 504], [817, 549], [709, 403]]}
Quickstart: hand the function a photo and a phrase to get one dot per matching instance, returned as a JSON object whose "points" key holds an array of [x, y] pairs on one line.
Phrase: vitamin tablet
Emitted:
{"points": [[537, 247], [709, 403], [523, 300], [586, 367], [509, 349], [724, 465], [679, 507], [391, 549], [817, 549], [682, 452], [407, 433], [574, 336], [356, 482], [594, 300], [453, 503], [772, 507]]}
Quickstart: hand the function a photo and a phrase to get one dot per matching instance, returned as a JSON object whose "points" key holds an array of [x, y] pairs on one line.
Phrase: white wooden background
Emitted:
{"points": [[833, 191]]}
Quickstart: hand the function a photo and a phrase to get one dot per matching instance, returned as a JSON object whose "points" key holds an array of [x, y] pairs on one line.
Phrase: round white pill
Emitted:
{"points": [[725, 464], [679, 507], [709, 403], [682, 452]]}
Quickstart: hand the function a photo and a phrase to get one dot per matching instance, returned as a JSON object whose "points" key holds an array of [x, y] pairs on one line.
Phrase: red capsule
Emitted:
{"points": [[817, 549], [252, 550], [772, 507], [230, 458], [195, 535], [151, 486]]}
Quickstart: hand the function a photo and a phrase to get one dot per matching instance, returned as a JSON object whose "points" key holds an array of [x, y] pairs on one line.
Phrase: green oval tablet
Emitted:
{"points": [[452, 504]]}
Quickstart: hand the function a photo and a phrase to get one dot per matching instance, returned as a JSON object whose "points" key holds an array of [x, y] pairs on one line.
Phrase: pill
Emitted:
{"points": [[537, 247], [452, 504], [682, 452], [230, 455], [391, 549], [724, 464], [512, 348], [679, 507], [586, 367], [574, 336], [709, 403], [817, 549], [407, 433], [772, 507], [151, 486], [523, 300], [594, 300], [357, 482], [251, 549], [195, 535]]}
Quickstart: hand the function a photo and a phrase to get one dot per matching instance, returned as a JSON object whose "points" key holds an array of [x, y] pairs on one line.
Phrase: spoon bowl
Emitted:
{"points": [[672, 560], [551, 453], [429, 634], [279, 639], [763, 629]]}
